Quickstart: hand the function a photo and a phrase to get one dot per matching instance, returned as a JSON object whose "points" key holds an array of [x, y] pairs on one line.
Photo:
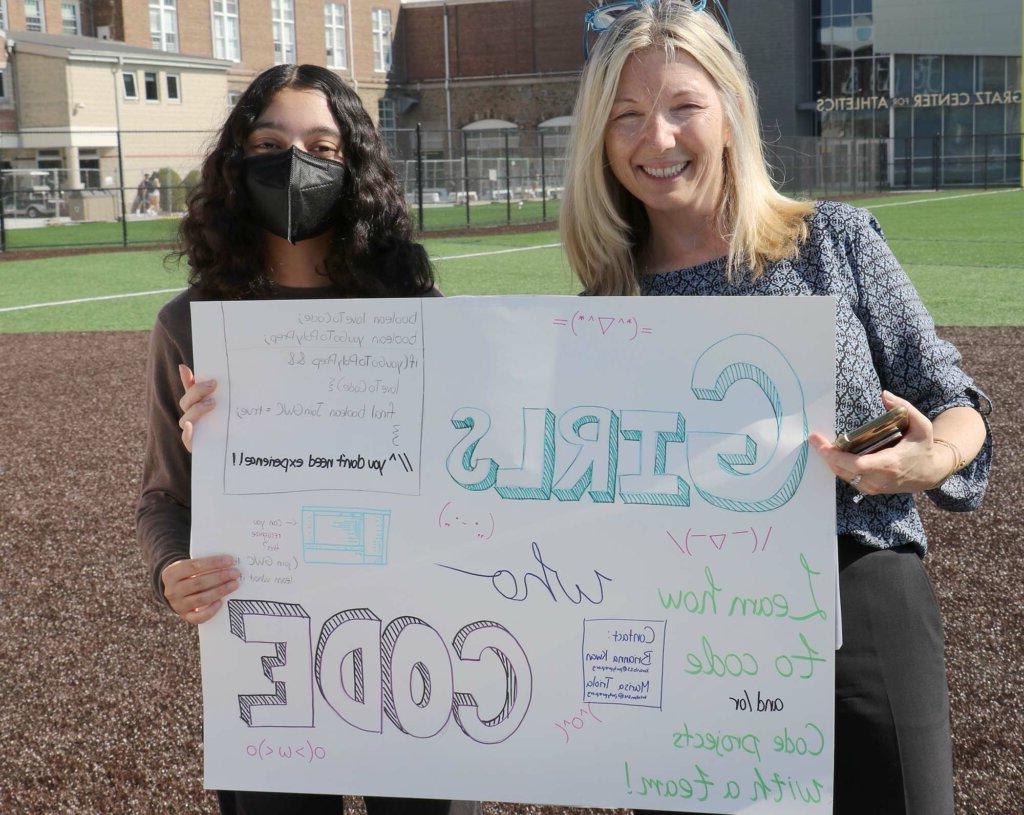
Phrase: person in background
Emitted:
{"points": [[243, 242], [141, 196], [667, 193], [154, 194]]}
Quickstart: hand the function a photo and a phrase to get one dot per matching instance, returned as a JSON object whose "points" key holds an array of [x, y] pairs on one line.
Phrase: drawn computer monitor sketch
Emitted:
{"points": [[345, 536]]}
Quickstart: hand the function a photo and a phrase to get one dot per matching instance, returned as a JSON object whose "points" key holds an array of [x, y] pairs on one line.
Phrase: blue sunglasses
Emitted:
{"points": [[602, 18]]}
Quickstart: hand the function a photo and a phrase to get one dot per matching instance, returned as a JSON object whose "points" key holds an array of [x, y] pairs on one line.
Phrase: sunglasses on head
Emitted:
{"points": [[602, 18]]}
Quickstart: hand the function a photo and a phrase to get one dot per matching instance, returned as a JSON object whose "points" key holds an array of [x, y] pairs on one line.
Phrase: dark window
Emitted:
{"points": [[901, 122], [863, 124], [152, 91], [880, 80], [992, 73], [862, 72], [927, 73], [823, 79], [989, 122], [844, 82], [904, 76], [130, 91], [958, 131], [172, 87], [959, 74], [927, 125], [881, 124]]}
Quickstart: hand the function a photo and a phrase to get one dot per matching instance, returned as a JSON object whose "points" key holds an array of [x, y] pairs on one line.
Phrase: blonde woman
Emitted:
{"points": [[668, 193]]}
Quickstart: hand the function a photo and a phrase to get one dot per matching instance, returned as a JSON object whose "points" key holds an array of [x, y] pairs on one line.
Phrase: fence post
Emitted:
{"points": [[124, 209], [508, 182], [419, 172], [935, 162], [3, 206], [543, 183], [985, 159], [908, 162], [465, 173]]}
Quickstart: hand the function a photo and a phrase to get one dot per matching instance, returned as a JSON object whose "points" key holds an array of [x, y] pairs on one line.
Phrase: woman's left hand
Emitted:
{"points": [[912, 465]]}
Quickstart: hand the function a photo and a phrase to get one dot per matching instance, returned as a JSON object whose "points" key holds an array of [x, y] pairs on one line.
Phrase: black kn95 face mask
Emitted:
{"points": [[291, 193]]}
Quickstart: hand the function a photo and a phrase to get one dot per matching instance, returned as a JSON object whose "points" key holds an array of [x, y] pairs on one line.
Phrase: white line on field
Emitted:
{"points": [[169, 291], [502, 251], [87, 299], [943, 198]]}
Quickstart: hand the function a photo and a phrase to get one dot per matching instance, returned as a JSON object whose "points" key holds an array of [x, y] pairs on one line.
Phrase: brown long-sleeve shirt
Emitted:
{"points": [[163, 515]]}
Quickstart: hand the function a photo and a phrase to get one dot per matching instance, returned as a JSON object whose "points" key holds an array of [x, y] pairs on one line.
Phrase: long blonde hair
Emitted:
{"points": [[603, 226]]}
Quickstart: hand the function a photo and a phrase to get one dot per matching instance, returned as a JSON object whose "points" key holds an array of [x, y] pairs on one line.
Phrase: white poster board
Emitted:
{"points": [[550, 549]]}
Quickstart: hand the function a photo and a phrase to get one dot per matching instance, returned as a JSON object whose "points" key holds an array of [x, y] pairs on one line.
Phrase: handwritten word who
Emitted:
{"points": [[513, 587]]}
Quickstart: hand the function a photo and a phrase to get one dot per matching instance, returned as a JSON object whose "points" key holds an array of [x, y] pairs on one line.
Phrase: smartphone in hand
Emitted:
{"points": [[877, 434]]}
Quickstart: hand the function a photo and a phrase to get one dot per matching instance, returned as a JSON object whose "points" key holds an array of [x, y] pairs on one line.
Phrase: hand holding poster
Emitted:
{"points": [[551, 550]]}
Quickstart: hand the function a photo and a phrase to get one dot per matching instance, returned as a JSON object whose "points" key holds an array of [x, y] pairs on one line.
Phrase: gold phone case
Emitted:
{"points": [[886, 429]]}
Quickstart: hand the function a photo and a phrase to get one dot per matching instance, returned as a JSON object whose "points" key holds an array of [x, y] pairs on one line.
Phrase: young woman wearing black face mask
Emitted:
{"points": [[296, 200]]}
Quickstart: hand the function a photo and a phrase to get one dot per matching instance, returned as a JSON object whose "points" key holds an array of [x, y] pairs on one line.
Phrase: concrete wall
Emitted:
{"points": [[776, 40], [989, 28]]}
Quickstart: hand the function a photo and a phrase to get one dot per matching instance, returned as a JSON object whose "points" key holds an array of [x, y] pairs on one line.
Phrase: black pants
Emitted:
{"points": [[239, 802], [893, 747]]}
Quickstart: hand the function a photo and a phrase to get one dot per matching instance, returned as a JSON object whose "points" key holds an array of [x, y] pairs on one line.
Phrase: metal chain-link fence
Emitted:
{"points": [[63, 188]]}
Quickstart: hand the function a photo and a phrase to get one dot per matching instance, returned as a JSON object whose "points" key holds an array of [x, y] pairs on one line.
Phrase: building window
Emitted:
{"points": [[163, 24], [3, 14], [70, 18], [3, 86], [381, 40], [130, 90], [386, 114], [152, 89], [173, 88], [233, 97], [35, 19], [225, 29], [282, 16], [89, 167], [334, 29]]}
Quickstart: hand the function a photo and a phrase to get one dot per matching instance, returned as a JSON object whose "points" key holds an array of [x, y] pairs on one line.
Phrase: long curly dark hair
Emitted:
{"points": [[371, 253]]}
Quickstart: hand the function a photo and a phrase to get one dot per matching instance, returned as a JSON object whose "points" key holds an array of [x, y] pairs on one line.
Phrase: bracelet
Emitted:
{"points": [[958, 460]]}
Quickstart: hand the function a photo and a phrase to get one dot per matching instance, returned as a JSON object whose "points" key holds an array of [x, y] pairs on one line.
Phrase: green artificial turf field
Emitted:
{"points": [[964, 252]]}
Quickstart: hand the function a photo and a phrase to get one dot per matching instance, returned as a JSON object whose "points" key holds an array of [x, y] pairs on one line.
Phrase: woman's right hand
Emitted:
{"points": [[196, 402], [194, 587]]}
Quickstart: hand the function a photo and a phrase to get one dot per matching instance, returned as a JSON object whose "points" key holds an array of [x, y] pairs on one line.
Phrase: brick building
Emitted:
{"points": [[508, 63], [354, 37]]}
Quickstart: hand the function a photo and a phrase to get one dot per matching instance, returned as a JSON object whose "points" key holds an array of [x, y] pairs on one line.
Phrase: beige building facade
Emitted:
{"points": [[69, 100], [353, 37]]}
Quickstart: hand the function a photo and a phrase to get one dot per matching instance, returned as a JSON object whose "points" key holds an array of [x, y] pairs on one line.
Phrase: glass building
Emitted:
{"points": [[948, 118]]}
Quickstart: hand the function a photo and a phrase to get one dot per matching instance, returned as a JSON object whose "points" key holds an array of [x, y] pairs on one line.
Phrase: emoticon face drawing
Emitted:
{"points": [[606, 325], [479, 525]]}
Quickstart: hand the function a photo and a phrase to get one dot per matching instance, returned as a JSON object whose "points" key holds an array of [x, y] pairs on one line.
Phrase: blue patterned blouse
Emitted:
{"points": [[885, 338]]}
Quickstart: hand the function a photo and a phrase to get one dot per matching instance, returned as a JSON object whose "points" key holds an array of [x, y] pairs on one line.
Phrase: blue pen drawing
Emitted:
{"points": [[345, 536], [714, 470]]}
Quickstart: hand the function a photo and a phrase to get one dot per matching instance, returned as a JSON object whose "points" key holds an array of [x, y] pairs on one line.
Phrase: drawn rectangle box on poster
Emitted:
{"points": [[345, 536], [623, 662]]}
